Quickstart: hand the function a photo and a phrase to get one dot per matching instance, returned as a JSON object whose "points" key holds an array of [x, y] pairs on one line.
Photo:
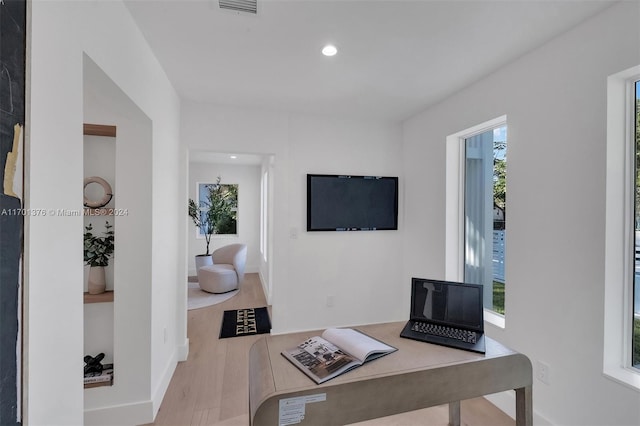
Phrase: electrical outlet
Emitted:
{"points": [[543, 373], [330, 301]]}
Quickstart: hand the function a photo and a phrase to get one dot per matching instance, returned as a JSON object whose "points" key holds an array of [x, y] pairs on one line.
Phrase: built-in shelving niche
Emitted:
{"points": [[124, 327], [99, 160]]}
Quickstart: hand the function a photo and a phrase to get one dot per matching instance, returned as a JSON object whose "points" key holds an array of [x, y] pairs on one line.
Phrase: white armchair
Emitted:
{"points": [[227, 272]]}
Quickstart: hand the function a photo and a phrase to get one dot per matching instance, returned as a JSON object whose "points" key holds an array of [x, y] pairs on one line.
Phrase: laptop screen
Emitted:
{"points": [[449, 303]]}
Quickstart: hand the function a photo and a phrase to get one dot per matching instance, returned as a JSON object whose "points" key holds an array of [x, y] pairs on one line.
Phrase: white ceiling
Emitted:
{"points": [[395, 57]]}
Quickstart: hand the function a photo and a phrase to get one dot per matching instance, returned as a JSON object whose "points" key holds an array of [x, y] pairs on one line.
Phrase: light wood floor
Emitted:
{"points": [[211, 386]]}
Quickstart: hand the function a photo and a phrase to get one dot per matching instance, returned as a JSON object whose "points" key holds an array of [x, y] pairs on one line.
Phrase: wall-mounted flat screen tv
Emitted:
{"points": [[351, 203]]}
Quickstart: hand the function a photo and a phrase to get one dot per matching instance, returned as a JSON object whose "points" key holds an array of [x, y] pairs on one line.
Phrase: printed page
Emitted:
{"points": [[356, 343], [321, 358]]}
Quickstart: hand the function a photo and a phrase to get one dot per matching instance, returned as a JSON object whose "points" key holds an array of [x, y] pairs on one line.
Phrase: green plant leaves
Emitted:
{"points": [[98, 250]]}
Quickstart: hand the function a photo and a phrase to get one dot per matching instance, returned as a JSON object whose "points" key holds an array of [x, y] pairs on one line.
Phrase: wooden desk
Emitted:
{"points": [[418, 375]]}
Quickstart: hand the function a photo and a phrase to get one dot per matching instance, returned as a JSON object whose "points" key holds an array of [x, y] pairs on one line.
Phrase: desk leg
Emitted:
{"points": [[454, 413], [524, 406]]}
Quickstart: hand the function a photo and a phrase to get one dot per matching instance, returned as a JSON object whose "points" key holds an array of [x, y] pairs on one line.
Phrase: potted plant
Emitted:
{"points": [[210, 215], [97, 251]]}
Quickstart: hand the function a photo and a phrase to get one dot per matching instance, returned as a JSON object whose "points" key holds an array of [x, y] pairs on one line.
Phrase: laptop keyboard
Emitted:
{"points": [[444, 331]]}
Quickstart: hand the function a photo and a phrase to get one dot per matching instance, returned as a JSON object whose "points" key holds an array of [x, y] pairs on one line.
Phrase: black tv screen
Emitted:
{"points": [[351, 203]]}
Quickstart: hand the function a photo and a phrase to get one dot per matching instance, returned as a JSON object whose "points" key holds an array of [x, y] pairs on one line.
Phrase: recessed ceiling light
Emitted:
{"points": [[329, 50], [233, 157]]}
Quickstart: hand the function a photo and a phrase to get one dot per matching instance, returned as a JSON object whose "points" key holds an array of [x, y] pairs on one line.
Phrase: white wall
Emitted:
{"points": [[555, 102], [53, 247], [360, 269], [248, 180]]}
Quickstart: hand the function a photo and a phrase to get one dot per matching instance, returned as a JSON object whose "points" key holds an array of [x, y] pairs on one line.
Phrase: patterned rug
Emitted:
{"points": [[245, 322]]}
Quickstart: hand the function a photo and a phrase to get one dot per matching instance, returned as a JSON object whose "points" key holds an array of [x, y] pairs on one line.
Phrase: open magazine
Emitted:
{"points": [[338, 350]]}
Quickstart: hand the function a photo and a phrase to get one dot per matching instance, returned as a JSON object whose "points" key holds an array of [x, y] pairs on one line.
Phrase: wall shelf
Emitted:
{"points": [[105, 297], [98, 384], [99, 130]]}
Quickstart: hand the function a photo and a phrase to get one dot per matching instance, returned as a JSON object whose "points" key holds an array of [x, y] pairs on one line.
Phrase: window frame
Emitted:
{"points": [[454, 205], [199, 233], [264, 213], [620, 229]]}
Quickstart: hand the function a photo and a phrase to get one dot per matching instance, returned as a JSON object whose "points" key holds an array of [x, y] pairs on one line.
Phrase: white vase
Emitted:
{"points": [[97, 281], [203, 260]]}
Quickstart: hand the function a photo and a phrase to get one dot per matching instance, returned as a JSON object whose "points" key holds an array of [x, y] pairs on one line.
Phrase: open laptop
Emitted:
{"points": [[446, 313]]}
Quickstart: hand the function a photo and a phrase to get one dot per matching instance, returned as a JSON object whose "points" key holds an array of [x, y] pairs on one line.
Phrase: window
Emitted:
{"points": [[264, 197], [220, 202], [635, 352], [622, 285], [476, 211], [485, 219]]}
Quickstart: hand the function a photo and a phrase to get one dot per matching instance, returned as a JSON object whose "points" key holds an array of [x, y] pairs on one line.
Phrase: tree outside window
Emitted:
{"points": [[216, 208]]}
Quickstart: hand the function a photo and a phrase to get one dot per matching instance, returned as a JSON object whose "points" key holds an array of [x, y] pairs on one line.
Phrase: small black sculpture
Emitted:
{"points": [[93, 365]]}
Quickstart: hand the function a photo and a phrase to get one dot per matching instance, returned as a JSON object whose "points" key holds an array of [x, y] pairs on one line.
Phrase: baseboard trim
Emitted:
{"points": [[263, 282], [142, 412], [249, 269], [183, 351], [506, 402], [134, 413], [163, 384]]}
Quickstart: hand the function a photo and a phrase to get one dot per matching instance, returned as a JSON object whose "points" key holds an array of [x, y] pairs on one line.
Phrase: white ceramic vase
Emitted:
{"points": [[97, 281], [203, 260]]}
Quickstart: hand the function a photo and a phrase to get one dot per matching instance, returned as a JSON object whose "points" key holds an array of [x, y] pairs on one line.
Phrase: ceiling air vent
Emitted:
{"points": [[249, 6]]}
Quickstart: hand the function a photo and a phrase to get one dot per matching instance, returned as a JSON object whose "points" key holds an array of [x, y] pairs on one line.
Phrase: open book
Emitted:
{"points": [[338, 350]]}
